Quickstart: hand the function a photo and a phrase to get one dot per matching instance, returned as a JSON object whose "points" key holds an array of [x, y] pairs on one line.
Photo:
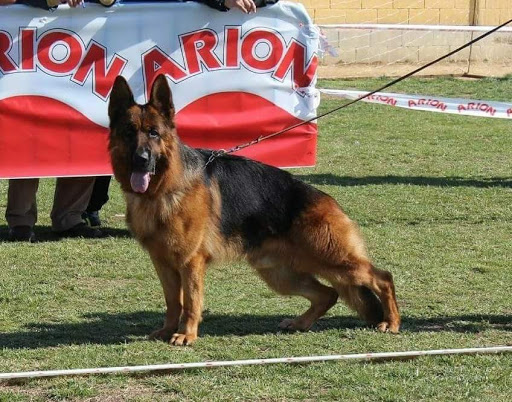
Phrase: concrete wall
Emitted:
{"points": [[383, 50], [437, 12], [373, 46]]}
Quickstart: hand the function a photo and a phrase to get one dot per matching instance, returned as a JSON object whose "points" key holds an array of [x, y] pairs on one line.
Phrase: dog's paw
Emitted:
{"points": [[382, 327], [183, 339], [163, 334], [292, 324], [394, 328], [385, 326]]}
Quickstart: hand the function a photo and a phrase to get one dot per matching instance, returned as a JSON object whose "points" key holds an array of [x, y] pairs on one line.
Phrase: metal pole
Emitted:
{"points": [[473, 20], [305, 359]]}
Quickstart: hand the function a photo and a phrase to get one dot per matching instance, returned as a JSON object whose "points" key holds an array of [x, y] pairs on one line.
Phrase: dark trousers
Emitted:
{"points": [[99, 196]]}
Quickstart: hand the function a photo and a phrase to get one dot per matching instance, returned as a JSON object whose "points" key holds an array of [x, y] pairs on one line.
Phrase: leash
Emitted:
{"points": [[220, 152]]}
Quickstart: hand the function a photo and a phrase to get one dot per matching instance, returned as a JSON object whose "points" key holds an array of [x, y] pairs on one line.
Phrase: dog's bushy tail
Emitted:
{"points": [[364, 302]]}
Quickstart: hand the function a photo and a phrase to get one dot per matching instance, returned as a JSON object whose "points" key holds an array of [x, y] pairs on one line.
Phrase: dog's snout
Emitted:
{"points": [[143, 159], [142, 155]]}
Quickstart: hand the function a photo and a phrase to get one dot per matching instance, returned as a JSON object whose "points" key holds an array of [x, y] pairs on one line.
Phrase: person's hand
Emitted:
{"points": [[246, 6], [7, 2]]}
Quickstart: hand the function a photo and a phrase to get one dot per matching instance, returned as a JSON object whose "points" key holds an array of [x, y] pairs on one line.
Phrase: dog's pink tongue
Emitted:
{"points": [[139, 182]]}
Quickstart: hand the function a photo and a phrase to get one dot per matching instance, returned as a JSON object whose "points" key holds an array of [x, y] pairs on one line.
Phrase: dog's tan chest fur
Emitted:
{"points": [[173, 227], [145, 215]]}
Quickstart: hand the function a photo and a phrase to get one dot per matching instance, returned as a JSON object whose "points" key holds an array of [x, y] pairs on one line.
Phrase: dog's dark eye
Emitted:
{"points": [[153, 133]]}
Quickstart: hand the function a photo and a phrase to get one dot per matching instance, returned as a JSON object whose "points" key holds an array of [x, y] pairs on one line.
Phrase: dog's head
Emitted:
{"points": [[142, 137]]}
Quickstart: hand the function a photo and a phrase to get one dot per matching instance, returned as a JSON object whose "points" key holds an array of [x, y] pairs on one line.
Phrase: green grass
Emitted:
{"points": [[432, 194]]}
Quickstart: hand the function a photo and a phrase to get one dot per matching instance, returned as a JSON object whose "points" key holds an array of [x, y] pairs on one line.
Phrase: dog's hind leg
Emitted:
{"points": [[363, 301], [288, 282], [358, 282], [382, 284], [325, 232]]}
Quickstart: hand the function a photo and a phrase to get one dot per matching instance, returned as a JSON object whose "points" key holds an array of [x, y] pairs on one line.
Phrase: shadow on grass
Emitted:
{"points": [[105, 328], [45, 234], [330, 179]]}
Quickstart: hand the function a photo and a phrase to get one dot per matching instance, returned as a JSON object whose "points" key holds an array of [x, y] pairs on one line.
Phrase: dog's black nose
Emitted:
{"points": [[141, 157]]}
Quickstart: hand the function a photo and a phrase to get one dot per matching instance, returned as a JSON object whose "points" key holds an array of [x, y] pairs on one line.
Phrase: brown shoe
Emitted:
{"points": [[22, 233], [81, 230]]}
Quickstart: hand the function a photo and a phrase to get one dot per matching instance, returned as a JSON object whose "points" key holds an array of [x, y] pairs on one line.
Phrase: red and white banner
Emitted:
{"points": [[234, 77], [468, 107]]}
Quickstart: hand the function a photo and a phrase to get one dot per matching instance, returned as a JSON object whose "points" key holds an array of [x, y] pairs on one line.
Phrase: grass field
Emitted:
{"points": [[433, 196]]}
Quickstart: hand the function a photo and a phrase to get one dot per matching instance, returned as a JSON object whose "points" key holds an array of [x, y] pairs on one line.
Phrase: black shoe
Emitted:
{"points": [[93, 218], [22, 233], [81, 230]]}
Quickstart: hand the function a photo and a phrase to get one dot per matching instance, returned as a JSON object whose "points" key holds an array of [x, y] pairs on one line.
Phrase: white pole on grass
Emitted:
{"points": [[252, 362]]}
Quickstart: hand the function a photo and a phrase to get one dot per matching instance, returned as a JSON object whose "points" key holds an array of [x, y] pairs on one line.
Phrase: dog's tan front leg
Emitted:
{"points": [[192, 281], [171, 284]]}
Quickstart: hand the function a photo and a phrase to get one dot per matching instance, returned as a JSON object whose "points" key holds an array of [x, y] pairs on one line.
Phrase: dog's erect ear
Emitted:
{"points": [[121, 99], [161, 97]]}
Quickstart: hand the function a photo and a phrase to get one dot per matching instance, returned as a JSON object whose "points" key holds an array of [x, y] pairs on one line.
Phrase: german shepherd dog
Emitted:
{"points": [[188, 213]]}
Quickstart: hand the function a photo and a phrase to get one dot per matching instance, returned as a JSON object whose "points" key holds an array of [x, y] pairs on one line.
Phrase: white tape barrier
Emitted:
{"points": [[253, 362], [468, 107]]}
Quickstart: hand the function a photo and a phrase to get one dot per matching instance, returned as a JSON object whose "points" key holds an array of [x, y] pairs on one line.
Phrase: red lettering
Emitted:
{"points": [[232, 47], [490, 110], [60, 52], [7, 65], [270, 60], [155, 62], [27, 45], [103, 75], [295, 58], [509, 112], [442, 106], [198, 48], [47, 45], [480, 107], [412, 103]]}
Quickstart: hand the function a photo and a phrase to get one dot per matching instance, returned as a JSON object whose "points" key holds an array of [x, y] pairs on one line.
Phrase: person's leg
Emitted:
{"points": [[99, 197], [21, 211], [72, 195]]}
